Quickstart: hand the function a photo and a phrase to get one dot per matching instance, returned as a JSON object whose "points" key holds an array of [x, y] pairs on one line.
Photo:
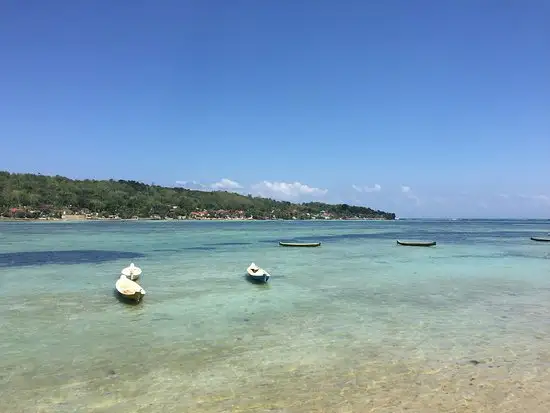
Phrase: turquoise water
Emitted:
{"points": [[357, 325]]}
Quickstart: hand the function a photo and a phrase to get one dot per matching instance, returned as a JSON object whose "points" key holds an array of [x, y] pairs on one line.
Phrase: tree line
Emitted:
{"points": [[32, 196]]}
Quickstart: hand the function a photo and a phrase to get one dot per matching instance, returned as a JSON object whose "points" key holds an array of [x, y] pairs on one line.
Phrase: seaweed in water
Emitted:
{"points": [[32, 258]]}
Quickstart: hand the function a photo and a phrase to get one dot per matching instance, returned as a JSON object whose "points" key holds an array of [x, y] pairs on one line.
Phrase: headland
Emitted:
{"points": [[39, 197]]}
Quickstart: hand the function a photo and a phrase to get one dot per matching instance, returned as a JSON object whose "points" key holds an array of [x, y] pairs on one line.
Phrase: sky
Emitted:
{"points": [[423, 108]]}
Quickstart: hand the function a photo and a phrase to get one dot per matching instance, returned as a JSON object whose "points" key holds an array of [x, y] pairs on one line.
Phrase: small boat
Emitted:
{"points": [[417, 243], [541, 239], [131, 272], [257, 274], [299, 244], [129, 289]]}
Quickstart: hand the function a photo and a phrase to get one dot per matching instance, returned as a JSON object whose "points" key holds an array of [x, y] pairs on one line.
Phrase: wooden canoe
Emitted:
{"points": [[299, 244], [417, 243], [541, 239]]}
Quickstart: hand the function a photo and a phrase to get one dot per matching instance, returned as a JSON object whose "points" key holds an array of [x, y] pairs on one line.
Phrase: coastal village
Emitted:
{"points": [[67, 214]]}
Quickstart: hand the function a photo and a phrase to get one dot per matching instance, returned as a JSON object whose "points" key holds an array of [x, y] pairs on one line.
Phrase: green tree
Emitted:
{"points": [[131, 198]]}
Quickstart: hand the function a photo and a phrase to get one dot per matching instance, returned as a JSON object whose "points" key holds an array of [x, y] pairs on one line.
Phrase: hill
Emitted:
{"points": [[39, 196]]}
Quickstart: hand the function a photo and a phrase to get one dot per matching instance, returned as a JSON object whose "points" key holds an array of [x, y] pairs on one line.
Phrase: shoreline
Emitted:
{"points": [[35, 220]]}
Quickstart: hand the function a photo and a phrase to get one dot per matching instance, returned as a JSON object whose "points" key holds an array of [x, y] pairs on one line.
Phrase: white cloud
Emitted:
{"points": [[226, 184], [222, 185], [542, 199], [292, 191], [183, 183], [375, 188], [192, 185], [286, 190], [407, 191]]}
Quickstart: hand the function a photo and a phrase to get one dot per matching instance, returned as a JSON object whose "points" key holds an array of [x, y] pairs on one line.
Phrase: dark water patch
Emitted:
{"points": [[500, 254], [495, 255], [442, 237], [162, 317], [168, 250], [228, 244], [251, 280], [199, 248], [327, 238], [462, 237], [515, 254], [203, 247], [32, 258]]}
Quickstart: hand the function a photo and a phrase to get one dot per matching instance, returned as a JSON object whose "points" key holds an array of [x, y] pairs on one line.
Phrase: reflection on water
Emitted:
{"points": [[357, 325]]}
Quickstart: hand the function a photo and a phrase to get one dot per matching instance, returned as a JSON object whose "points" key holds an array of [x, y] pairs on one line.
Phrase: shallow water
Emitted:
{"points": [[359, 324]]}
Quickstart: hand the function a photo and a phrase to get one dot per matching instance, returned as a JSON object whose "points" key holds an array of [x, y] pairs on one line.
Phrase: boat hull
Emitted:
{"points": [[417, 243], [262, 279], [540, 239], [300, 244], [131, 298]]}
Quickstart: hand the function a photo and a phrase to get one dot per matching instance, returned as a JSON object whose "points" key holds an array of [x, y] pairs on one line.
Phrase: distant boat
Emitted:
{"points": [[257, 274], [131, 272], [417, 243], [299, 244], [541, 239], [129, 289]]}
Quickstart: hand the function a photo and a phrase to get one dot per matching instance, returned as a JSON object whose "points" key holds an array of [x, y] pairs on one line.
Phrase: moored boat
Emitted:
{"points": [[417, 243], [257, 274], [129, 290], [299, 244], [131, 272], [541, 239]]}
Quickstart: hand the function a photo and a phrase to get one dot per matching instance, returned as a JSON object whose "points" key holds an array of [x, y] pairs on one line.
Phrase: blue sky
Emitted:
{"points": [[425, 108]]}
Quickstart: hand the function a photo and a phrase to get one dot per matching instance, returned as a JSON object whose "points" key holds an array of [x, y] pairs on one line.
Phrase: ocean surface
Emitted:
{"points": [[356, 325]]}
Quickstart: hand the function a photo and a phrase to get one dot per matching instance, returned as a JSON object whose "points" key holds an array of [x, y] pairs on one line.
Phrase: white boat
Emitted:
{"points": [[131, 272], [257, 274], [129, 289]]}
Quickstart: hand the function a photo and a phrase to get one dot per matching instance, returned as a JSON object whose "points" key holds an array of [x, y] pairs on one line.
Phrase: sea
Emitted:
{"points": [[359, 324]]}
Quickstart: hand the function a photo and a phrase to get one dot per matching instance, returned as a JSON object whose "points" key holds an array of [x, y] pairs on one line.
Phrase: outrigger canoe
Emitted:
{"points": [[299, 244], [541, 239], [417, 243]]}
